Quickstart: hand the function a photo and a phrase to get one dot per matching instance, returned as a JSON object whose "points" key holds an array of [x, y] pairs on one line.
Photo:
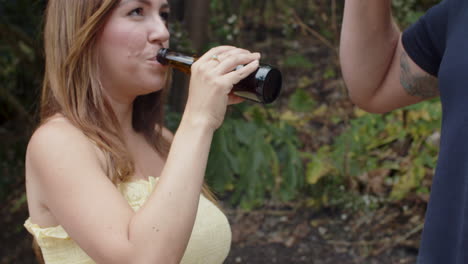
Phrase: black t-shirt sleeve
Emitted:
{"points": [[425, 40]]}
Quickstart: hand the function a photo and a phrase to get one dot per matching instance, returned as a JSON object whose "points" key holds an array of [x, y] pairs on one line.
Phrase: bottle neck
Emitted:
{"points": [[176, 60]]}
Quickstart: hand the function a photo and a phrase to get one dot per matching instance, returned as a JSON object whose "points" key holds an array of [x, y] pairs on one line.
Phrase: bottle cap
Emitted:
{"points": [[270, 82]]}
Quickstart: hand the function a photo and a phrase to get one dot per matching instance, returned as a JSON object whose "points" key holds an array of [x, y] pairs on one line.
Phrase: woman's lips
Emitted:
{"points": [[156, 64]]}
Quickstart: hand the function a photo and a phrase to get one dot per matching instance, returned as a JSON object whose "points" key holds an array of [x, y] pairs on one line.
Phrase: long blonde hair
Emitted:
{"points": [[71, 85]]}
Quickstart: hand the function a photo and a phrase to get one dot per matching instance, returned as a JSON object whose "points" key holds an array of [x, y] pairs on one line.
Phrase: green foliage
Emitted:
{"points": [[298, 61], [407, 12], [394, 146], [179, 38], [255, 156], [20, 60], [21, 68], [301, 101], [329, 73], [244, 21], [12, 156]]}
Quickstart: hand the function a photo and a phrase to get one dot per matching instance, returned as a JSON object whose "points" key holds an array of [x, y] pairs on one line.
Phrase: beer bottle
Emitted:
{"points": [[262, 86]]}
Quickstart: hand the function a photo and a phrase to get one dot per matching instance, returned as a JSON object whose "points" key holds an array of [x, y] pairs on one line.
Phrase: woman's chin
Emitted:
{"points": [[150, 89]]}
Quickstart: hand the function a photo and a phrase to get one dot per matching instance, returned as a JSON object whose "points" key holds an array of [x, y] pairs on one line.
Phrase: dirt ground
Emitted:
{"points": [[302, 235]]}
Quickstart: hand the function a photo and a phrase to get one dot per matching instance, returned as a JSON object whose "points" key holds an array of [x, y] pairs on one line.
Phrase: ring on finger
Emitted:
{"points": [[215, 58]]}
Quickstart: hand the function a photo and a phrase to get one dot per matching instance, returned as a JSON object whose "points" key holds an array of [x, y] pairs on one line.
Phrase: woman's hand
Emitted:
{"points": [[211, 82]]}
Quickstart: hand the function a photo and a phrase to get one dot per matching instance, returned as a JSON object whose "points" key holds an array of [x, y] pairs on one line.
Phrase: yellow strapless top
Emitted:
{"points": [[209, 243]]}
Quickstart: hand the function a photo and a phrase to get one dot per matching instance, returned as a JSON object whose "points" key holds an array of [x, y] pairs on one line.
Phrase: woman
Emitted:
{"points": [[104, 183]]}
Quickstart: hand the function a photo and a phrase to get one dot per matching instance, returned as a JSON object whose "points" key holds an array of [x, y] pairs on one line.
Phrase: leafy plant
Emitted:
{"points": [[298, 61], [408, 11], [254, 156], [301, 101], [393, 146], [257, 155]]}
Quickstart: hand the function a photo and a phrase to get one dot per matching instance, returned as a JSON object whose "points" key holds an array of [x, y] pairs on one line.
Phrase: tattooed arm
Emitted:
{"points": [[416, 82], [379, 75]]}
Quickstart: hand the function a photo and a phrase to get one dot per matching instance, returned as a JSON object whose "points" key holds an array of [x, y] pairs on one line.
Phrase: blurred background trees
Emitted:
{"points": [[311, 143], [312, 147]]}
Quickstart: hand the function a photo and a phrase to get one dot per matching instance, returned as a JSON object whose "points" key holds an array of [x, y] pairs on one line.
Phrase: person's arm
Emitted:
{"points": [[84, 201], [380, 76], [94, 213]]}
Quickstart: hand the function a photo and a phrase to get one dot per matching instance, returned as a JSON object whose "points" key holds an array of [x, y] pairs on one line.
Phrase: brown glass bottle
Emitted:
{"points": [[262, 86]]}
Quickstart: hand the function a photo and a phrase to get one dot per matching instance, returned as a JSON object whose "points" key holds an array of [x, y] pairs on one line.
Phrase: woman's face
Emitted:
{"points": [[127, 47]]}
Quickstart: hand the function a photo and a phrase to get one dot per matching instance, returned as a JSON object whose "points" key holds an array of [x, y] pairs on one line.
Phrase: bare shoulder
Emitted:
{"points": [[57, 152], [57, 140], [57, 133], [56, 128]]}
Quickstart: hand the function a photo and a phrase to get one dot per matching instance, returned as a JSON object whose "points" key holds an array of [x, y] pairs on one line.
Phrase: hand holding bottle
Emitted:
{"points": [[211, 82]]}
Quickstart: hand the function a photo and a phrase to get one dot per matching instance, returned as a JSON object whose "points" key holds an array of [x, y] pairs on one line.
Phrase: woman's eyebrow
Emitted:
{"points": [[124, 2], [147, 2]]}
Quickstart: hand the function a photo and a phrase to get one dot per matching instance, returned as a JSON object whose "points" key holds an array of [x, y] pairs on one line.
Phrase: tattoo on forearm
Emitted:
{"points": [[421, 85]]}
